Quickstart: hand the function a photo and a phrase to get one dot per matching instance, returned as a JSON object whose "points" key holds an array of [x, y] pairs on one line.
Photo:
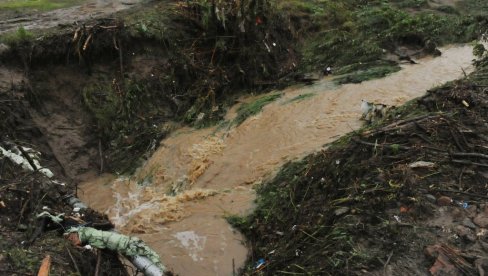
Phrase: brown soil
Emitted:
{"points": [[13, 19], [25, 240]]}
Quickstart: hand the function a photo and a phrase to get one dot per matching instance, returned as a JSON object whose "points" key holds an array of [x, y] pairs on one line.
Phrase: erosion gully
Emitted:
{"points": [[178, 200]]}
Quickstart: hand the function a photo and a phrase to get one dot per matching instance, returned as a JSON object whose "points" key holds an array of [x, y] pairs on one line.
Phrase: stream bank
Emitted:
{"points": [[180, 199], [131, 76]]}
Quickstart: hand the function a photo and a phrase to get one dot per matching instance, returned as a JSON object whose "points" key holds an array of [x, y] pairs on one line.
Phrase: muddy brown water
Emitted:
{"points": [[178, 199]]}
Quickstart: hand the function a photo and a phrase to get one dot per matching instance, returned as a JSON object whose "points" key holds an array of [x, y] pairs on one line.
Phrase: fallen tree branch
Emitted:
{"points": [[459, 192], [466, 162], [380, 145], [401, 124], [470, 154]]}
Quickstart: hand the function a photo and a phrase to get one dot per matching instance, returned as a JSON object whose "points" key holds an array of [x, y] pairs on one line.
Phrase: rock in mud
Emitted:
{"points": [[468, 223], [481, 219], [3, 48], [481, 265], [444, 201], [341, 211], [465, 233], [430, 198]]}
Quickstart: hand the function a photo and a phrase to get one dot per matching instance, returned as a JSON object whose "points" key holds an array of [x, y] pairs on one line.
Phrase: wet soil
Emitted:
{"points": [[11, 20], [26, 240]]}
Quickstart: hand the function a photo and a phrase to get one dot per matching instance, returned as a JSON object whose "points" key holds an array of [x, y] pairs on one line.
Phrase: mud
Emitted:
{"points": [[12, 20], [229, 160]]}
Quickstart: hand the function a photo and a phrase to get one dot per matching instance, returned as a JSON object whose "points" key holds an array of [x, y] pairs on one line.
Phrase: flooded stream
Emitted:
{"points": [[177, 201]]}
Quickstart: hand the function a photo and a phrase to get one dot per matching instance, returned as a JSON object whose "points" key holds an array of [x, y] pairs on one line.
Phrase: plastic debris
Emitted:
{"points": [[57, 218], [260, 263], [16, 156], [126, 245]]}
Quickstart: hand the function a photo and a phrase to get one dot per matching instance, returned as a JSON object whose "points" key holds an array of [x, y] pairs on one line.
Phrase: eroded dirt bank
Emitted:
{"points": [[177, 201]]}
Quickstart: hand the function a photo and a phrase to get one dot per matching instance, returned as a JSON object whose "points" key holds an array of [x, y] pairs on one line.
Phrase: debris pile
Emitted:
{"points": [[405, 197]]}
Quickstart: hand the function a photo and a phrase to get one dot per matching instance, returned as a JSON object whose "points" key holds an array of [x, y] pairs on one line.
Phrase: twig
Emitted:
{"points": [[387, 262], [401, 123], [99, 259], [466, 162], [470, 154], [73, 260], [233, 267], [121, 59], [29, 159], [101, 155], [382, 145], [459, 192]]}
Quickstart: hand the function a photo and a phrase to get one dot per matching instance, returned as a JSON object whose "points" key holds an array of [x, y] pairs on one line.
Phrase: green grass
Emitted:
{"points": [[300, 98], [249, 109], [16, 37], [367, 74], [42, 5]]}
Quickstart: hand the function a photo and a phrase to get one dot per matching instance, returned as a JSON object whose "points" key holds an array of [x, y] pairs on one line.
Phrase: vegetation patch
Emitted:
{"points": [[300, 97], [363, 204], [247, 110], [367, 74], [17, 38], [42, 5]]}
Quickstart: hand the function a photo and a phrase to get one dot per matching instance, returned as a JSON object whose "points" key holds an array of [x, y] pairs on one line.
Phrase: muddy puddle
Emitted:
{"points": [[177, 201]]}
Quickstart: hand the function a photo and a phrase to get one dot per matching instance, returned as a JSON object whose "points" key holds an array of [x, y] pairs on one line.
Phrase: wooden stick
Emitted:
{"points": [[470, 154], [101, 155], [469, 163], [29, 159], [99, 259], [73, 260]]}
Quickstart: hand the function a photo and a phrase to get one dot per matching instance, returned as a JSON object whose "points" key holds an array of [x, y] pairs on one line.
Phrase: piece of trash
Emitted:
{"points": [[279, 233], [88, 247], [45, 268], [463, 204], [57, 218], [421, 164], [260, 263], [76, 209], [465, 103], [125, 245], [272, 252], [397, 218], [293, 227], [298, 252], [2, 204], [338, 162]]}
